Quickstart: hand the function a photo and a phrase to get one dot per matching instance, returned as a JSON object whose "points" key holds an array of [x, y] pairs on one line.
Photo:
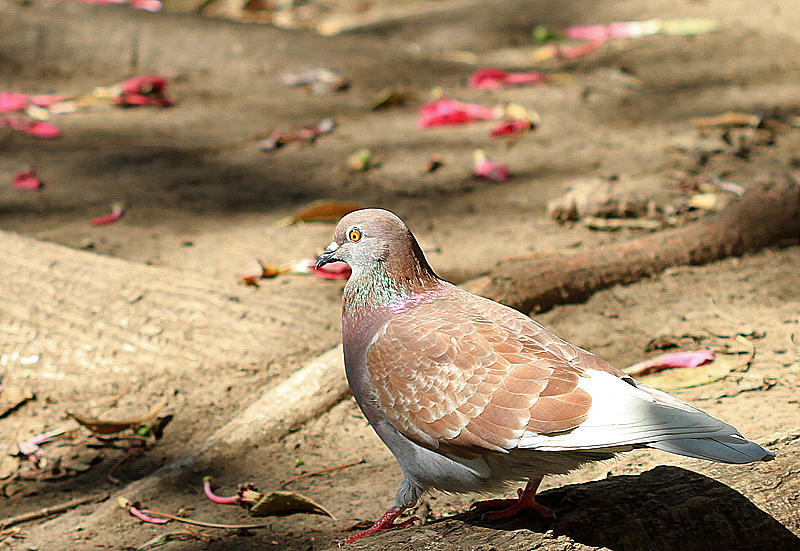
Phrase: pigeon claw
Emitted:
{"points": [[386, 522], [509, 508]]}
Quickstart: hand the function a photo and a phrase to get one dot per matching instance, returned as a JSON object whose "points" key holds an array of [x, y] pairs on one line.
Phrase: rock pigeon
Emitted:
{"points": [[470, 395]]}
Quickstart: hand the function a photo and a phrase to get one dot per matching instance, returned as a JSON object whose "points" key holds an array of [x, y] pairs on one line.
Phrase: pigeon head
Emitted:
{"points": [[381, 252]]}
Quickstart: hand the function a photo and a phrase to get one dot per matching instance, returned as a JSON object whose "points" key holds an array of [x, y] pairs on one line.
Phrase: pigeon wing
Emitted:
{"points": [[450, 377]]}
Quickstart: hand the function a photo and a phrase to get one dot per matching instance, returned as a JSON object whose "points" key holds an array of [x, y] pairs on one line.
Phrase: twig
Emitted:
{"points": [[203, 523], [322, 471], [163, 539], [53, 509]]}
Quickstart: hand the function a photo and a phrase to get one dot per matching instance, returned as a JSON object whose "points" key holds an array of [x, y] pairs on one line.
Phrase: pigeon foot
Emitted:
{"points": [[509, 508], [386, 522]]}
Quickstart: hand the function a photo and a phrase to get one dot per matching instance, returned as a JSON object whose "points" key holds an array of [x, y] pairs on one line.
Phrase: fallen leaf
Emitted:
{"points": [[446, 111], [541, 33], [559, 51], [104, 426], [434, 164], [321, 211], [389, 96], [12, 397], [484, 168], [307, 134], [283, 503], [706, 201], [491, 78], [360, 161], [319, 81], [27, 179], [729, 119]]}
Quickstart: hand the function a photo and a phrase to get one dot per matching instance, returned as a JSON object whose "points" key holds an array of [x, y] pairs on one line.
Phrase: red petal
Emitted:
{"points": [[446, 111], [333, 270], [489, 78], [11, 101], [513, 127], [41, 129], [116, 214], [46, 100], [496, 172], [27, 180]]}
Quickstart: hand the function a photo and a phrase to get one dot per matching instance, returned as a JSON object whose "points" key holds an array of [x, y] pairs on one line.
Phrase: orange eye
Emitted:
{"points": [[354, 235]]}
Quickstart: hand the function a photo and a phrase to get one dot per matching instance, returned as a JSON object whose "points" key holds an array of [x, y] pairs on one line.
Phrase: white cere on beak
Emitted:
{"points": [[333, 247]]}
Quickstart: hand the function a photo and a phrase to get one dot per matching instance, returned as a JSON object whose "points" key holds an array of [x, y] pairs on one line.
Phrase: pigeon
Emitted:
{"points": [[470, 395]]}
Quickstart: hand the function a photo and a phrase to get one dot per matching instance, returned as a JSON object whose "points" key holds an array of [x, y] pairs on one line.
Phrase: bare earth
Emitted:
{"points": [[150, 308]]}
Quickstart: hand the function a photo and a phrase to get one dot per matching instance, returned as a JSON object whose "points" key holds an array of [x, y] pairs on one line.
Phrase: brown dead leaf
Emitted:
{"points": [[12, 397], [320, 211], [283, 503], [674, 379], [104, 426]]}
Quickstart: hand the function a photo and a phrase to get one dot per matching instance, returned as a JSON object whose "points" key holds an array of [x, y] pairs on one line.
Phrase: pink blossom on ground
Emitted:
{"points": [[27, 179], [489, 170], [490, 78], [692, 358], [148, 5], [117, 210], [510, 128], [332, 270], [37, 129], [11, 101], [447, 111], [144, 90], [46, 100]]}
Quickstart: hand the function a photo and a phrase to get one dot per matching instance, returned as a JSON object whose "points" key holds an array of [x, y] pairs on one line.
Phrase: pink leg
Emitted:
{"points": [[512, 507], [386, 522]]}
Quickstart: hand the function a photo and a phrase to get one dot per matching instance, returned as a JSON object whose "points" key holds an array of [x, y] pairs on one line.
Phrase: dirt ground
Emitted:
{"points": [[203, 201]]}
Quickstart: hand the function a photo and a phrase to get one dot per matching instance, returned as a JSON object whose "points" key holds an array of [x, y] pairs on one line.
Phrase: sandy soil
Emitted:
{"points": [[203, 202]]}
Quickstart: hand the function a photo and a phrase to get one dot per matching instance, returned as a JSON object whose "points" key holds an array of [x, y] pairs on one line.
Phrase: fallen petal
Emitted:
{"points": [[449, 112], [332, 270], [117, 210], [509, 128], [27, 179], [143, 90], [671, 360], [133, 508], [46, 100], [490, 78], [207, 483], [484, 168], [12, 101]]}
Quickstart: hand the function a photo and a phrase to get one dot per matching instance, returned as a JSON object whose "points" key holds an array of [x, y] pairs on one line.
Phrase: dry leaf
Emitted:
{"points": [[12, 397], [102, 426], [282, 503], [674, 379], [321, 211]]}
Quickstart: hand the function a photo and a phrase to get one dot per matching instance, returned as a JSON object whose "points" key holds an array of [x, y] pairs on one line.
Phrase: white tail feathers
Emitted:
{"points": [[729, 449], [633, 415]]}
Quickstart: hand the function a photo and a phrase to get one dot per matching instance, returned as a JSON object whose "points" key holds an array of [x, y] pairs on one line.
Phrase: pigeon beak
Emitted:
{"points": [[328, 255]]}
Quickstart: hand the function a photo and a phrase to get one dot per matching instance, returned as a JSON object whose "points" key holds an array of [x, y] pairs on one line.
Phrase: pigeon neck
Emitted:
{"points": [[384, 285]]}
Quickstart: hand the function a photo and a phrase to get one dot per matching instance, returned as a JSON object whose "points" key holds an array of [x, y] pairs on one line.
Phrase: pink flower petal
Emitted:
{"points": [[587, 32], [333, 270], [27, 180], [149, 5], [490, 78], [513, 127], [117, 210], [11, 101], [484, 168], [37, 129], [670, 360], [571, 52], [46, 100], [144, 90], [446, 112]]}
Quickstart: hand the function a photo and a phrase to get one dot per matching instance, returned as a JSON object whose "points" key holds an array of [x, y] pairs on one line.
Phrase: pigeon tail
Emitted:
{"points": [[727, 449]]}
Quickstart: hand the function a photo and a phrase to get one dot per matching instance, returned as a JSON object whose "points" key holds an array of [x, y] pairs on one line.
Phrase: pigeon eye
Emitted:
{"points": [[354, 235]]}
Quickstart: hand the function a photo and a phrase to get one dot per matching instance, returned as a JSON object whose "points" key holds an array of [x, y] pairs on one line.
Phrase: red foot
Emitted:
{"points": [[509, 508], [386, 522]]}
